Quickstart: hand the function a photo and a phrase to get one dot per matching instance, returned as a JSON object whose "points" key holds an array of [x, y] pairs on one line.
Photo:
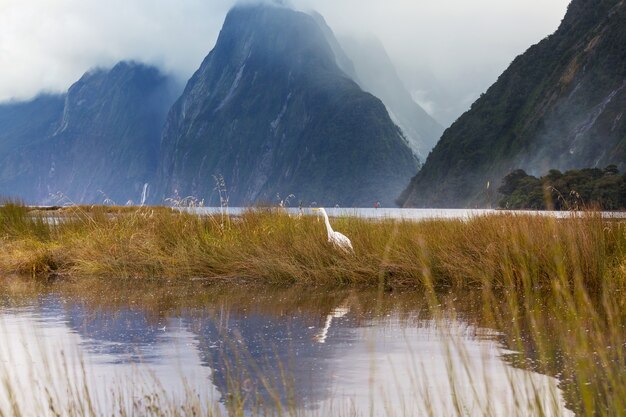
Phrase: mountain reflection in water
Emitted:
{"points": [[350, 355]]}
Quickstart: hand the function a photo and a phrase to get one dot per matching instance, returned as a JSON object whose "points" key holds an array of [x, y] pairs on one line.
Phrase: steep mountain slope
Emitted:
{"points": [[101, 141], [341, 58], [23, 127], [375, 73], [271, 112], [22, 122], [559, 105]]}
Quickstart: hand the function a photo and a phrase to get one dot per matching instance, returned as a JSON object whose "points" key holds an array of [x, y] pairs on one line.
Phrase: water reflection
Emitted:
{"points": [[359, 353], [337, 313], [126, 335], [46, 355]]}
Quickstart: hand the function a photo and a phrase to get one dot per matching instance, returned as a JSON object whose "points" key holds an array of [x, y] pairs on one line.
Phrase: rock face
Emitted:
{"points": [[99, 141], [559, 105], [375, 73], [24, 128], [273, 110], [270, 112]]}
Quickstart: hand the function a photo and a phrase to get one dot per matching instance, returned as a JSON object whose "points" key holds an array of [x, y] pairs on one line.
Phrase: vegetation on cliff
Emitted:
{"points": [[572, 190], [559, 105]]}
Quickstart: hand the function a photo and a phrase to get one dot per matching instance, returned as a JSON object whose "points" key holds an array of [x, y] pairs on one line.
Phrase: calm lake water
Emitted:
{"points": [[340, 353], [406, 214]]}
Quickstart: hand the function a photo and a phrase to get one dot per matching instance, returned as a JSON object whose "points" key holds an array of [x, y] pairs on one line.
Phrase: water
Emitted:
{"points": [[402, 214], [320, 354]]}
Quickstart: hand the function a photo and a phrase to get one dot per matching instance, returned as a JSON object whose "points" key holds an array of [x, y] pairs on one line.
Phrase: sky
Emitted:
{"points": [[451, 48]]}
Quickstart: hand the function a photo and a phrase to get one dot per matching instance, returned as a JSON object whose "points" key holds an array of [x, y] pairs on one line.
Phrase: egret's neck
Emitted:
{"points": [[328, 228]]}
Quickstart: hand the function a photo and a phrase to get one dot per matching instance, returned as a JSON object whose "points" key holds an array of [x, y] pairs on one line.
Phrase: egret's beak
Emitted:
{"points": [[315, 209]]}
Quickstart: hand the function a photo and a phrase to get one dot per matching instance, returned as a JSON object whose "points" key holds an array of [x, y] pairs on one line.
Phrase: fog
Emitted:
{"points": [[447, 52]]}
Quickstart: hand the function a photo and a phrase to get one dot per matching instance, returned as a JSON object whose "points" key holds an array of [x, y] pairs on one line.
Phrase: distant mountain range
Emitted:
{"points": [[560, 105], [281, 107], [99, 141], [276, 109]]}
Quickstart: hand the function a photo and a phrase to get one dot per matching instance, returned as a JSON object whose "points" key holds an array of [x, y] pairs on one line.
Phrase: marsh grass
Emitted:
{"points": [[524, 252], [555, 288]]}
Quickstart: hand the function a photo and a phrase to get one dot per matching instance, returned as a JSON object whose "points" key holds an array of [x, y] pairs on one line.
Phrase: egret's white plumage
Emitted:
{"points": [[339, 240]]}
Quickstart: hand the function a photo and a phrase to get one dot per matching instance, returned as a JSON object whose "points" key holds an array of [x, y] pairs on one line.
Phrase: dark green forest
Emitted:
{"points": [[573, 190]]}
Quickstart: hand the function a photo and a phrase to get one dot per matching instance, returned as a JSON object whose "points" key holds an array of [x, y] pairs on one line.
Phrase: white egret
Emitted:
{"points": [[339, 240]]}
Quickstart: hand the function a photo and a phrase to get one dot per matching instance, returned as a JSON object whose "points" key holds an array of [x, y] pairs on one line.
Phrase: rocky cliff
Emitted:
{"points": [[559, 105], [98, 141], [271, 112]]}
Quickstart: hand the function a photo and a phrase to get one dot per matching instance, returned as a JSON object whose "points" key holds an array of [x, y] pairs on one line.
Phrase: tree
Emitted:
{"points": [[572, 190], [511, 182], [611, 170]]}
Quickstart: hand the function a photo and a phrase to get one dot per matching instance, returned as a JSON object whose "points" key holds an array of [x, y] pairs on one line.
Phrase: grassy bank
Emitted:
{"points": [[556, 289], [270, 246]]}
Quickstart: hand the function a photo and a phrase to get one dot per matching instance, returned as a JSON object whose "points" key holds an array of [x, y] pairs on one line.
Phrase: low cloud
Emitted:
{"points": [[46, 45]]}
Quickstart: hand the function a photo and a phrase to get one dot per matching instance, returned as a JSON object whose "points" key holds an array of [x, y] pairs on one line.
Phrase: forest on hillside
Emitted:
{"points": [[573, 190]]}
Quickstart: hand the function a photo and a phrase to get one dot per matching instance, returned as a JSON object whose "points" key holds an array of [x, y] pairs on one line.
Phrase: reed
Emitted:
{"points": [[556, 288], [272, 247]]}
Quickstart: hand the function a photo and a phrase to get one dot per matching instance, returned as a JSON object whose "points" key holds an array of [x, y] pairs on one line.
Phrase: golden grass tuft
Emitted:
{"points": [[556, 288]]}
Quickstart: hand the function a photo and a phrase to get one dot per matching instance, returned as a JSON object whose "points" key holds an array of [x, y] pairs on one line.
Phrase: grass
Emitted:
{"points": [[555, 288], [269, 246]]}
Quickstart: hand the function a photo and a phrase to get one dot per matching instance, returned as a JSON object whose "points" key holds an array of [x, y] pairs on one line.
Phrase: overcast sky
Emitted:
{"points": [[46, 45]]}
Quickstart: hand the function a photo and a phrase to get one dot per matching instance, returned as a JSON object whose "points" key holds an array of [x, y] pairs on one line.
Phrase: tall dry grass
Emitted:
{"points": [[554, 287], [504, 251]]}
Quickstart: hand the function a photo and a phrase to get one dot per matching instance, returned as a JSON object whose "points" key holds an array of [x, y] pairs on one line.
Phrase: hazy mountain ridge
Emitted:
{"points": [[17, 126], [273, 109], [270, 110], [376, 74], [98, 141], [365, 61], [559, 105], [24, 126]]}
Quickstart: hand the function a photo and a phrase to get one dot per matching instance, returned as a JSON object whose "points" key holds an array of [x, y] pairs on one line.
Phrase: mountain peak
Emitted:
{"points": [[271, 112], [274, 32]]}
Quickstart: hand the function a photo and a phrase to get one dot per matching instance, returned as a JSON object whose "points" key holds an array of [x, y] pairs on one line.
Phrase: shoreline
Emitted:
{"points": [[381, 213], [274, 246], [553, 286]]}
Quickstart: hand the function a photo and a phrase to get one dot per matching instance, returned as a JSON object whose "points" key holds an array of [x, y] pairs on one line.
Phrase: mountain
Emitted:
{"points": [[443, 101], [271, 112], [98, 141], [375, 73], [24, 126], [341, 58], [21, 123], [560, 105]]}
